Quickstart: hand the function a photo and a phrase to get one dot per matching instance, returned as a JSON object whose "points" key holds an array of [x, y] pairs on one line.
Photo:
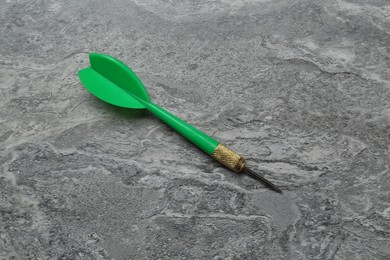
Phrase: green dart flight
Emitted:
{"points": [[113, 82]]}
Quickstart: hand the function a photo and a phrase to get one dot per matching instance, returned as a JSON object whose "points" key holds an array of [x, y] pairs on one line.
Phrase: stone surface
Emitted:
{"points": [[300, 87]]}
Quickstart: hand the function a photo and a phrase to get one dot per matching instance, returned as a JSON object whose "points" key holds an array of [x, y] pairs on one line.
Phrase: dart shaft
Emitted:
{"points": [[205, 142]]}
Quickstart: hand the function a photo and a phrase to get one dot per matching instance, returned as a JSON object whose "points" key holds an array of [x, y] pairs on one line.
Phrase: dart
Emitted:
{"points": [[115, 83]]}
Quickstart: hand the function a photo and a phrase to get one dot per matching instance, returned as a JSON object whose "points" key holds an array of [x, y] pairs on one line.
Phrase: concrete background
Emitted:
{"points": [[300, 87]]}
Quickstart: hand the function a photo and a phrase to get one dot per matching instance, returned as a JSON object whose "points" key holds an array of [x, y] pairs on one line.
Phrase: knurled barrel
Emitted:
{"points": [[228, 158]]}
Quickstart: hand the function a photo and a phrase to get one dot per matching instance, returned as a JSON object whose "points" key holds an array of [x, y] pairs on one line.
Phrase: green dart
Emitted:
{"points": [[113, 82]]}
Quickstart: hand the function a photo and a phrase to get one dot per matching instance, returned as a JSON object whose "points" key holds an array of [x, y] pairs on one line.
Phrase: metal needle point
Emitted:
{"points": [[262, 179]]}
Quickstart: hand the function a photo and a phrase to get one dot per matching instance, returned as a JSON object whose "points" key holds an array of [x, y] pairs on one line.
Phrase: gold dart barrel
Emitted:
{"points": [[229, 158]]}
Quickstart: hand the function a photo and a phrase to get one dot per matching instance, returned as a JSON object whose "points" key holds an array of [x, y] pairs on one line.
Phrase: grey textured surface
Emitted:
{"points": [[300, 87]]}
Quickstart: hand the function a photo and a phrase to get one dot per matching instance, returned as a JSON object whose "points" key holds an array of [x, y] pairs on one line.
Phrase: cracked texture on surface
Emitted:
{"points": [[301, 88]]}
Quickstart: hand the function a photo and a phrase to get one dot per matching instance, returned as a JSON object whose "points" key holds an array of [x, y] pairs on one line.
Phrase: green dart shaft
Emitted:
{"points": [[206, 143], [203, 141]]}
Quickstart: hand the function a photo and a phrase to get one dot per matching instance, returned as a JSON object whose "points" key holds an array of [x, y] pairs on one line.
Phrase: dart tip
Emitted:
{"points": [[262, 179], [278, 190]]}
